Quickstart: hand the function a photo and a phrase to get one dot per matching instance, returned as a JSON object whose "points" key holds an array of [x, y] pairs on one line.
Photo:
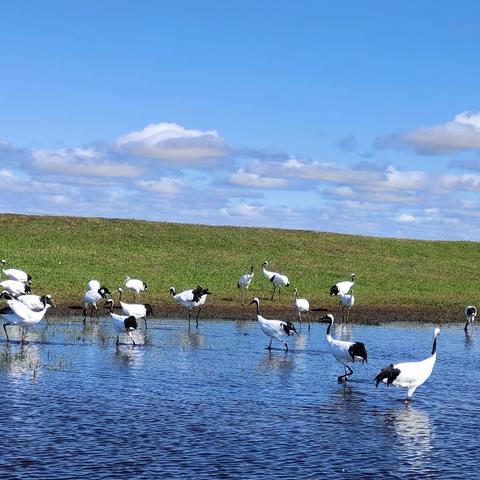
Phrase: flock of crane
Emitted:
{"points": [[26, 309]]}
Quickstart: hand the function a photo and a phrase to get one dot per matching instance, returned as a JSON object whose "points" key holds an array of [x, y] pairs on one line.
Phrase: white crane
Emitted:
{"points": [[346, 302], [470, 314], [16, 274], [137, 310], [278, 280], [191, 299], [245, 280], [135, 285], [342, 288], [91, 298], [36, 302], [124, 324], [344, 352], [410, 375], [277, 329], [19, 314], [93, 285], [301, 306], [15, 287]]}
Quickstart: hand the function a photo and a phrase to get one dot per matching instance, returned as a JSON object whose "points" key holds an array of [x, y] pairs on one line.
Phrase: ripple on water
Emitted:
{"points": [[213, 403]]}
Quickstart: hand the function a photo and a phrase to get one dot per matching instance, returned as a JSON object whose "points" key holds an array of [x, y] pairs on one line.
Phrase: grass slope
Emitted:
{"points": [[63, 253]]}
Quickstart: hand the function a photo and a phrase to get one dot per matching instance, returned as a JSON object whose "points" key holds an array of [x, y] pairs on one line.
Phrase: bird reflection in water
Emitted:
{"points": [[129, 356], [243, 326], [277, 362], [413, 432], [21, 361], [95, 331], [300, 342], [469, 339], [192, 338], [344, 331]]}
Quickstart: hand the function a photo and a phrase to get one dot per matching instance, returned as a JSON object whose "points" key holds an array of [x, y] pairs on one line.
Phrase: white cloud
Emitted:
{"points": [[380, 179], [166, 185], [6, 174], [406, 218], [463, 133], [370, 198], [398, 180], [313, 171], [174, 144], [244, 210], [466, 181], [253, 180], [80, 162], [342, 191]]}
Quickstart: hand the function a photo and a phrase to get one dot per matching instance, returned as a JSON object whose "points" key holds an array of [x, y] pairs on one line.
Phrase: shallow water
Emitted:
{"points": [[211, 402]]}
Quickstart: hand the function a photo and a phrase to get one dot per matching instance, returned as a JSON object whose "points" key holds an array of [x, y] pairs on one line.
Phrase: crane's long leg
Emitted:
{"points": [[5, 329], [286, 346], [273, 293], [270, 344], [189, 316], [466, 325], [342, 378], [24, 333], [146, 326], [198, 314], [84, 314]]}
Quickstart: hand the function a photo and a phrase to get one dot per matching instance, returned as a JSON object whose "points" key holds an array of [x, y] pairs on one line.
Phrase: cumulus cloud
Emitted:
{"points": [[174, 144], [167, 185], [80, 162], [387, 178], [466, 181], [254, 180], [461, 134], [406, 218], [244, 210], [123, 178]]}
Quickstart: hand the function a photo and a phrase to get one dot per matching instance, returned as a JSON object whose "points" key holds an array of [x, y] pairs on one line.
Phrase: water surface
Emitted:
{"points": [[211, 402]]}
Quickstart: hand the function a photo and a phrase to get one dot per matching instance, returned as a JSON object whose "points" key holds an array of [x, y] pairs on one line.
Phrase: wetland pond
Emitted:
{"points": [[211, 402]]}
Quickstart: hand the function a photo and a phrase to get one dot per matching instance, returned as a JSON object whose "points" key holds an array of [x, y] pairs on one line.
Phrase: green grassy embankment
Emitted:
{"points": [[63, 253]]}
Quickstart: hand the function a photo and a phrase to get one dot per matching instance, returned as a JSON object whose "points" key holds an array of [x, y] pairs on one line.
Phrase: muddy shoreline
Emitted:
{"points": [[369, 315]]}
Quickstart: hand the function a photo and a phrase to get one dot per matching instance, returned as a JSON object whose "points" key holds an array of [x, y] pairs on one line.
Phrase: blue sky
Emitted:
{"points": [[354, 117]]}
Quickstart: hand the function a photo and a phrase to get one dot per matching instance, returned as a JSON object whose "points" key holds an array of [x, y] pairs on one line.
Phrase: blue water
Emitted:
{"points": [[213, 403]]}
